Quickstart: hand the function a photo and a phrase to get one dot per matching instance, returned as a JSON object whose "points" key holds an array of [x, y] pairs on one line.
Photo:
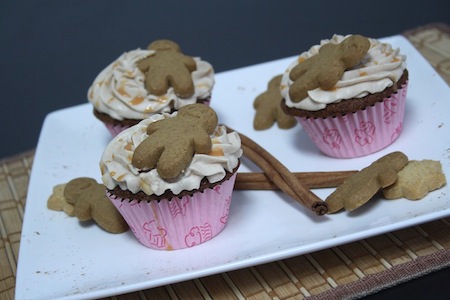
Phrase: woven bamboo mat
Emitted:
{"points": [[351, 270]]}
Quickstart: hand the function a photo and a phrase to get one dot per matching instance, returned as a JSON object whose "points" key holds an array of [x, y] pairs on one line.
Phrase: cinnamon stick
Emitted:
{"points": [[312, 180], [281, 176]]}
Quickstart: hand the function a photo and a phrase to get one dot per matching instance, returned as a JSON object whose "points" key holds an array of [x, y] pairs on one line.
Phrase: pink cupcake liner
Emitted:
{"points": [[361, 133], [207, 102], [178, 223], [115, 129]]}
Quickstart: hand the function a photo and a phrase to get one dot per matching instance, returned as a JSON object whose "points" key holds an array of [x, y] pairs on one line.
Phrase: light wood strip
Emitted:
{"points": [[247, 284], [362, 259], [218, 287]]}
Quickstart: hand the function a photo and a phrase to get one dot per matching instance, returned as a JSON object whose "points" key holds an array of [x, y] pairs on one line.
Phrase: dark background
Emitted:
{"points": [[50, 51]]}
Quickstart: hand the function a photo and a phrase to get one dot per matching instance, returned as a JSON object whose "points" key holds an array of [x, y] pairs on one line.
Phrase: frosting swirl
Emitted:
{"points": [[117, 168], [119, 89], [380, 68]]}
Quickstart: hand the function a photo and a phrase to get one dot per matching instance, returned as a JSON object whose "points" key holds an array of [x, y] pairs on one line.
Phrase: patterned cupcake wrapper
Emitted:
{"points": [[361, 133], [115, 129], [177, 223]]}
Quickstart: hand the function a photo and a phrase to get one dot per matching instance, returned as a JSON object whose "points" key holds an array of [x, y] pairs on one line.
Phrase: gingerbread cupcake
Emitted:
{"points": [[171, 176], [349, 94], [140, 83]]}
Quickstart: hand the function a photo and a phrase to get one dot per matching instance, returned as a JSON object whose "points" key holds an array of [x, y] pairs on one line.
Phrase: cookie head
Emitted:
{"points": [[172, 142], [164, 45], [324, 69], [76, 187], [168, 67], [203, 114]]}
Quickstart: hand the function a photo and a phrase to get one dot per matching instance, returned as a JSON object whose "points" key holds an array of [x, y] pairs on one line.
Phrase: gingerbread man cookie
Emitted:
{"points": [[268, 108], [172, 142], [363, 185], [168, 67], [324, 69], [85, 199]]}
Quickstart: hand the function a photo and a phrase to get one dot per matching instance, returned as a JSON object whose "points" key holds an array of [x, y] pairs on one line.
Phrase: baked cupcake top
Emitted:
{"points": [[119, 169], [380, 67], [120, 89]]}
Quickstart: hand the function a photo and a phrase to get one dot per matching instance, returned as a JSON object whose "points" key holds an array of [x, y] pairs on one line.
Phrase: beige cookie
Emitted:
{"points": [[56, 201], [416, 180]]}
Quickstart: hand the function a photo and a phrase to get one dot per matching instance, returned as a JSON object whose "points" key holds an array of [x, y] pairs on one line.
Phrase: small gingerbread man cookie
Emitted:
{"points": [[172, 142], [168, 67], [268, 108], [324, 69], [416, 180], [85, 199], [363, 185]]}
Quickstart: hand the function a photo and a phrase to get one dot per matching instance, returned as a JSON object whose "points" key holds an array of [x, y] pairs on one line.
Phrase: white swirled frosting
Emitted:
{"points": [[380, 68], [117, 169], [119, 89]]}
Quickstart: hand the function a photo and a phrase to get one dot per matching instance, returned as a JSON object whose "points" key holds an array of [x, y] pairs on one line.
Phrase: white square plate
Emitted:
{"points": [[65, 259]]}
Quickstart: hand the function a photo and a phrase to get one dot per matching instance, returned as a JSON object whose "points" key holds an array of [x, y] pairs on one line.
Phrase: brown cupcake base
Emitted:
{"points": [[141, 196]]}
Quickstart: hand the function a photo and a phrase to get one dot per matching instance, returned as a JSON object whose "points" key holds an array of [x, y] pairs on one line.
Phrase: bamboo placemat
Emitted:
{"points": [[351, 270]]}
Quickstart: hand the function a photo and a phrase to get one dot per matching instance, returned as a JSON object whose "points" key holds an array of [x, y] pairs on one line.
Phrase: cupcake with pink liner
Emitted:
{"points": [[139, 83], [170, 202], [362, 111]]}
